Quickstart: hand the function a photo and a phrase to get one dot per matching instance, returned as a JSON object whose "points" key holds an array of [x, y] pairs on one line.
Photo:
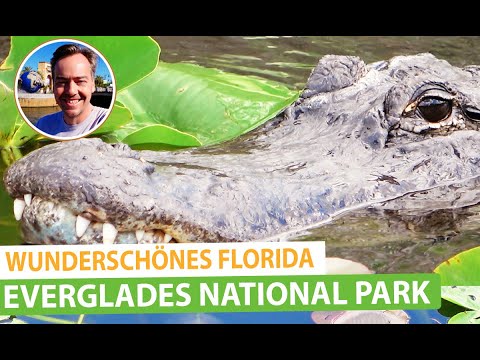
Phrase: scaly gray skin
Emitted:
{"points": [[359, 135]]}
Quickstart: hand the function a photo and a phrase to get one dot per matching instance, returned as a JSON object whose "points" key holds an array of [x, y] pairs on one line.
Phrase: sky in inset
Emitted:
{"points": [[45, 54]]}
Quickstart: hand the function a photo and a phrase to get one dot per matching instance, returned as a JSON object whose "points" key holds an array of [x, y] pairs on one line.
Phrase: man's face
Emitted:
{"points": [[73, 87]]}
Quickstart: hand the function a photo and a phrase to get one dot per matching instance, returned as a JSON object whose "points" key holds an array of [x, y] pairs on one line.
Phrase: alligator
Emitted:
{"points": [[359, 135]]}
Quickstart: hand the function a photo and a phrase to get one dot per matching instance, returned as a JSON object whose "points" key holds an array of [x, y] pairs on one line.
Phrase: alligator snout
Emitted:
{"points": [[71, 191]]}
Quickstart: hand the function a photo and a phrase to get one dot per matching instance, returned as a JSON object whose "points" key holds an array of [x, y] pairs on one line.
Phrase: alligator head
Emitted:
{"points": [[360, 134]]}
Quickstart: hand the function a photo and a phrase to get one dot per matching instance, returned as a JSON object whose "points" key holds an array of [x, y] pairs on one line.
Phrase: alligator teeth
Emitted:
{"points": [[139, 234], [18, 206], [158, 235], [148, 237], [81, 225], [109, 233], [28, 199]]}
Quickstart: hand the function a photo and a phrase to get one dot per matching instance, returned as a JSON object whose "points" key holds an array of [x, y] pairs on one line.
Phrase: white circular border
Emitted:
{"points": [[65, 138]]}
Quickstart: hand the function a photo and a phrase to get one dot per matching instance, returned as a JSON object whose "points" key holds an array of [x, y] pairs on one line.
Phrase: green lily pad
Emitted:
{"points": [[160, 134], [23, 133], [462, 269], [467, 317], [119, 116], [465, 296], [208, 104]]}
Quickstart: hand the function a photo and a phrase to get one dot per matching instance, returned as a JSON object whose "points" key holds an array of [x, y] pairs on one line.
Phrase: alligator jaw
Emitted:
{"points": [[59, 225], [182, 198], [85, 212]]}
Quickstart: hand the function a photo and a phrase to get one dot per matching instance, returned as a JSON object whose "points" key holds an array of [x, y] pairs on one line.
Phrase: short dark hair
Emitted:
{"points": [[72, 49]]}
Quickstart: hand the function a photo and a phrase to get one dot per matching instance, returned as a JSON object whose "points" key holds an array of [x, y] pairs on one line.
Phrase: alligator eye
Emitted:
{"points": [[472, 113], [434, 109]]}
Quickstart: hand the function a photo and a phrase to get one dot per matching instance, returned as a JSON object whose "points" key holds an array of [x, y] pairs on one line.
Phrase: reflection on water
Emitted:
{"points": [[385, 243]]}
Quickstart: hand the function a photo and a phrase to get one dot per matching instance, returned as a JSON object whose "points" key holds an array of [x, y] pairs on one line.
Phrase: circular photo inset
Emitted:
{"points": [[65, 89]]}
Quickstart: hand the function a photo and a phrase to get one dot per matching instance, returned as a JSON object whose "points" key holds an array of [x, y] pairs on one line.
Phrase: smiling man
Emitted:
{"points": [[73, 72]]}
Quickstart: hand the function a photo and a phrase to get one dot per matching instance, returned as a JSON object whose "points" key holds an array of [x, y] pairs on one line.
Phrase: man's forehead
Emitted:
{"points": [[77, 60], [73, 67], [72, 77]]}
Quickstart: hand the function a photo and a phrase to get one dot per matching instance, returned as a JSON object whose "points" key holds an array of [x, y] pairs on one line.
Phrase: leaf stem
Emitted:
{"points": [[10, 154]]}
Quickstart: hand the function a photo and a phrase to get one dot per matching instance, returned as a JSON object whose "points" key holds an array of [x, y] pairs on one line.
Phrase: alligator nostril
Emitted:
{"points": [[149, 169]]}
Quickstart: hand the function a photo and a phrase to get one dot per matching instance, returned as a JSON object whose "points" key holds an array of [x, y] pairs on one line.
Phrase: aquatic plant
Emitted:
{"points": [[460, 279]]}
